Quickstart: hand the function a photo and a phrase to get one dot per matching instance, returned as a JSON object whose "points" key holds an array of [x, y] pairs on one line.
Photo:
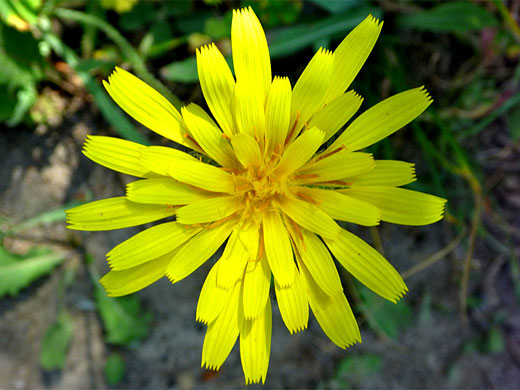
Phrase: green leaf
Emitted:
{"points": [[114, 369], [20, 54], [161, 31], [157, 50], [140, 15], [218, 27], [289, 40], [19, 274], [336, 6], [495, 340], [184, 71], [390, 317], [359, 366], [92, 64], [123, 318], [7, 102], [56, 342], [449, 17], [7, 257], [177, 9], [193, 21], [25, 99], [22, 67]]}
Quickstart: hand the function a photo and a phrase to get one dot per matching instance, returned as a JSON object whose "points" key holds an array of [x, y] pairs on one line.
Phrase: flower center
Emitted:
{"points": [[262, 187]]}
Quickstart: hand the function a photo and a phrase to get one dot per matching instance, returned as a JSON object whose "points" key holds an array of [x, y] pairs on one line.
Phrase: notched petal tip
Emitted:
{"points": [[429, 98], [171, 278], [357, 95], [374, 20], [298, 329], [399, 294]]}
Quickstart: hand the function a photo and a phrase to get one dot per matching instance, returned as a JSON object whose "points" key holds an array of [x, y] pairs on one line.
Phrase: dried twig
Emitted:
{"points": [[432, 259]]}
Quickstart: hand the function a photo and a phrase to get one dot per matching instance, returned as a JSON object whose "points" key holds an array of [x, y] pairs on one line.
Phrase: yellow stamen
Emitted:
{"points": [[306, 176]]}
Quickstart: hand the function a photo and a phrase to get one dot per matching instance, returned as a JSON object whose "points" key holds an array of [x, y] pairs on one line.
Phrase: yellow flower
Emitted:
{"points": [[267, 180]]}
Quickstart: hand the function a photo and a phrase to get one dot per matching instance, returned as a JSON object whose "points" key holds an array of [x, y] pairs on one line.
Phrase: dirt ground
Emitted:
{"points": [[44, 169]]}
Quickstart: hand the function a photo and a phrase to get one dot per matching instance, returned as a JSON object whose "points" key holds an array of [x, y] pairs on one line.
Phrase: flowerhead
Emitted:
{"points": [[270, 176]]}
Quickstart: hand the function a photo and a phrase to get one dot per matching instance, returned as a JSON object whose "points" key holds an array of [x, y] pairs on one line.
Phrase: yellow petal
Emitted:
{"points": [[249, 110], [255, 345], [367, 265], [342, 207], [217, 85], [145, 105], [149, 244], [197, 250], [241, 247], [246, 150], [332, 312], [309, 92], [278, 248], [351, 54], [293, 304], [159, 159], [222, 333], [257, 280], [300, 151], [277, 113], [250, 52], [124, 282], [402, 206], [205, 131], [212, 298], [336, 113], [165, 191], [117, 154], [336, 166], [309, 216], [114, 213], [318, 261], [386, 173], [208, 210], [202, 175], [383, 119]]}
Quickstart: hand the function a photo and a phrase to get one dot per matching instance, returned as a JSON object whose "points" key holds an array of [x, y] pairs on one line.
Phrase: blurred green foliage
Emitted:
{"points": [[123, 318], [359, 366], [19, 271], [454, 17], [114, 369], [56, 342], [387, 317]]}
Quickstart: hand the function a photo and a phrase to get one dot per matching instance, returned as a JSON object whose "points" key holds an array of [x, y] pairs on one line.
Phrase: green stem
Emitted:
{"points": [[127, 50]]}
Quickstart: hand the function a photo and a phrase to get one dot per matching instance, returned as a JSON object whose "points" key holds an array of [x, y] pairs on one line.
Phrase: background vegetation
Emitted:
{"points": [[460, 324]]}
